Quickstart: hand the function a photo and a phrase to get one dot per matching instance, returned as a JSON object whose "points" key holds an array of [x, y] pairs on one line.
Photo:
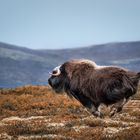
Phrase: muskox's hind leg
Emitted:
{"points": [[117, 107]]}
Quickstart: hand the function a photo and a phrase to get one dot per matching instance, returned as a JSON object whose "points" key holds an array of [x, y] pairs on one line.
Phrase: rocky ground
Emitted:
{"points": [[36, 113]]}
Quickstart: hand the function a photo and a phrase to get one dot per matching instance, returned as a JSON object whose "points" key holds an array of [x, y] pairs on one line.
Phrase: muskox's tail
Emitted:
{"points": [[138, 75], [136, 80]]}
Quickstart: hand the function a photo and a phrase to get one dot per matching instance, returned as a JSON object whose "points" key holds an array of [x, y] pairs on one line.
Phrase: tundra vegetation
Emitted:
{"points": [[37, 113]]}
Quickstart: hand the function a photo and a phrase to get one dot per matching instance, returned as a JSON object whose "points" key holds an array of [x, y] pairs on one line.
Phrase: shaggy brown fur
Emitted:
{"points": [[92, 84]]}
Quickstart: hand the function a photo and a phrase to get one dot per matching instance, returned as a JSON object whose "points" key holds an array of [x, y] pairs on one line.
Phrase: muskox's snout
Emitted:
{"points": [[53, 82], [56, 84], [50, 82]]}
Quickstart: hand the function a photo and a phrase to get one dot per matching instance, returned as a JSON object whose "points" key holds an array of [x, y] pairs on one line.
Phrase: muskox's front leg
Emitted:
{"points": [[94, 110], [86, 102], [117, 107]]}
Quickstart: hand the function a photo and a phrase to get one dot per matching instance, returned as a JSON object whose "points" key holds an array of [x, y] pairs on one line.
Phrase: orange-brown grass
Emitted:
{"points": [[37, 113], [34, 100]]}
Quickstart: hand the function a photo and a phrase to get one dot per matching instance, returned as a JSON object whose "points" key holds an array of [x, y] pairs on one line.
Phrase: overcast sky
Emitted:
{"points": [[54, 24]]}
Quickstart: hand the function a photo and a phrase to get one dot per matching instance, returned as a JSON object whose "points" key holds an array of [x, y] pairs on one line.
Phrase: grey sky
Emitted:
{"points": [[68, 23]]}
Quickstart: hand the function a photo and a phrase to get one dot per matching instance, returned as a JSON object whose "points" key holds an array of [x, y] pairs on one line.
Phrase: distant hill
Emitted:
{"points": [[21, 66]]}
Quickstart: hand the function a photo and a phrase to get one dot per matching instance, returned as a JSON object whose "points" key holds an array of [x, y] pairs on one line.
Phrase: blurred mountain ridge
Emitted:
{"points": [[21, 65]]}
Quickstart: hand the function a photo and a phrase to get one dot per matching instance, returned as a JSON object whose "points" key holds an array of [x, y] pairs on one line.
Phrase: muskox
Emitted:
{"points": [[93, 85]]}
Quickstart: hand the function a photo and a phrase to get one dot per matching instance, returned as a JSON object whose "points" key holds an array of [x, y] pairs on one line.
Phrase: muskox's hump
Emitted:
{"points": [[83, 61]]}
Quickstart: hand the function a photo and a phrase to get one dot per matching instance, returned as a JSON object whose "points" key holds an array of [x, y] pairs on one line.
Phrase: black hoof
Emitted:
{"points": [[101, 115], [98, 114], [119, 109], [112, 114]]}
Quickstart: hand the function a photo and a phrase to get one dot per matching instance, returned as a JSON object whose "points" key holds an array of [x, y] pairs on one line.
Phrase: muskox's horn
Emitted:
{"points": [[56, 71]]}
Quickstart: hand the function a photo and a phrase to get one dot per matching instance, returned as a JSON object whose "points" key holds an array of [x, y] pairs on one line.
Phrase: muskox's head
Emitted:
{"points": [[58, 79], [70, 74]]}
